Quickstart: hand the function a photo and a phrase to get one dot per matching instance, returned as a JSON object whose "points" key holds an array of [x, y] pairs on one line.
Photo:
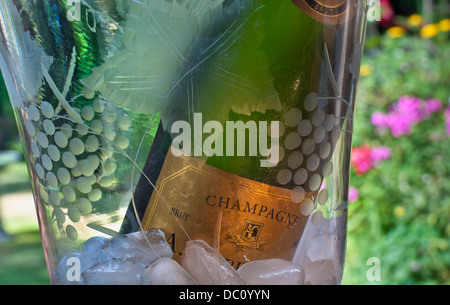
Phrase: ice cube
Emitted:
{"points": [[138, 247], [166, 271], [321, 273], [94, 244], [272, 272], [118, 260], [322, 244], [207, 266], [114, 273]]}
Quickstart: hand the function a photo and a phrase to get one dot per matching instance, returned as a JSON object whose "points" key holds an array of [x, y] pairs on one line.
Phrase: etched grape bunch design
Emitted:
{"points": [[73, 155], [308, 139]]}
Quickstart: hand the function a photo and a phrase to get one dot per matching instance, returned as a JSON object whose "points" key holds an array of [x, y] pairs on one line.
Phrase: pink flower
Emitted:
{"points": [[364, 158], [352, 194], [361, 160], [447, 120], [409, 108], [430, 106], [400, 125], [379, 119], [380, 153], [447, 112], [387, 13], [433, 105], [404, 114]]}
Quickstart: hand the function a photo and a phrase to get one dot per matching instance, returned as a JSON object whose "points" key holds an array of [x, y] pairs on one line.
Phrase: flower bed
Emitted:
{"points": [[400, 185]]}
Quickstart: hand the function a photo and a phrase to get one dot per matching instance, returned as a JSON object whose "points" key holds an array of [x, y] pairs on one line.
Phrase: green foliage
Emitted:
{"points": [[402, 215], [23, 261]]}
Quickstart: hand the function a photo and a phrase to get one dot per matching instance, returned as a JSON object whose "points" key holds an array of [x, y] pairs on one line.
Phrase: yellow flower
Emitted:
{"points": [[396, 32], [444, 25], [366, 70], [415, 20], [399, 211], [429, 31]]}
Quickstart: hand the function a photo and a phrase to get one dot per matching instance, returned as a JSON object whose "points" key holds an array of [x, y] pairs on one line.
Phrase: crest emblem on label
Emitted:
{"points": [[249, 237], [328, 11]]}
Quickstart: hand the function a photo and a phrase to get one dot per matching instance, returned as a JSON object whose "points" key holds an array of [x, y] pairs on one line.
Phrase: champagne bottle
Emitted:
{"points": [[270, 80]]}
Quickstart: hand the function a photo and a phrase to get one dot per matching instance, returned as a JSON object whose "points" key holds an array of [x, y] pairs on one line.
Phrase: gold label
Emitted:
{"points": [[253, 220], [328, 11]]}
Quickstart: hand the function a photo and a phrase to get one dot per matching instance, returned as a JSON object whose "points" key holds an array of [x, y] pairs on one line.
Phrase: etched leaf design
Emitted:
{"points": [[171, 48]]}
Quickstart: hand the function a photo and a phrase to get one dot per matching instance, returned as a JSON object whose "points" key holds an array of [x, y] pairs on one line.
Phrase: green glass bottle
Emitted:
{"points": [[269, 80]]}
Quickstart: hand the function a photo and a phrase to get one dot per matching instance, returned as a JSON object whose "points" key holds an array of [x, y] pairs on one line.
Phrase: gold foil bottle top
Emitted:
{"points": [[328, 11]]}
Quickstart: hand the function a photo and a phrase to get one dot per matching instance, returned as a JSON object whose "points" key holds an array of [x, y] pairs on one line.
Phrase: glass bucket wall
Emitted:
{"points": [[186, 142]]}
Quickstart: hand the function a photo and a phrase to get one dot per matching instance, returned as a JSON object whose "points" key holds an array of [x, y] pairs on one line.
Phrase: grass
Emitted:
{"points": [[14, 178], [22, 259]]}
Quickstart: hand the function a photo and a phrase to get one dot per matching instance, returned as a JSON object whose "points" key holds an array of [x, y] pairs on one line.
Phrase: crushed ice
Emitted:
{"points": [[145, 258]]}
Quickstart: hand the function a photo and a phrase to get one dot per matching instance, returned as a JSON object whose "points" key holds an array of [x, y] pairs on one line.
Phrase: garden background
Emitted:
{"points": [[399, 211]]}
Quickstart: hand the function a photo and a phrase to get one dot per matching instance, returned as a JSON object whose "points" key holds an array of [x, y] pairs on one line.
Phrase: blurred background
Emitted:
{"points": [[399, 211]]}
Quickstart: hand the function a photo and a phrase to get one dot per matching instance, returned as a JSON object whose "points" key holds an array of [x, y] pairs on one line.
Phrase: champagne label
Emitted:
{"points": [[328, 11], [245, 219]]}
